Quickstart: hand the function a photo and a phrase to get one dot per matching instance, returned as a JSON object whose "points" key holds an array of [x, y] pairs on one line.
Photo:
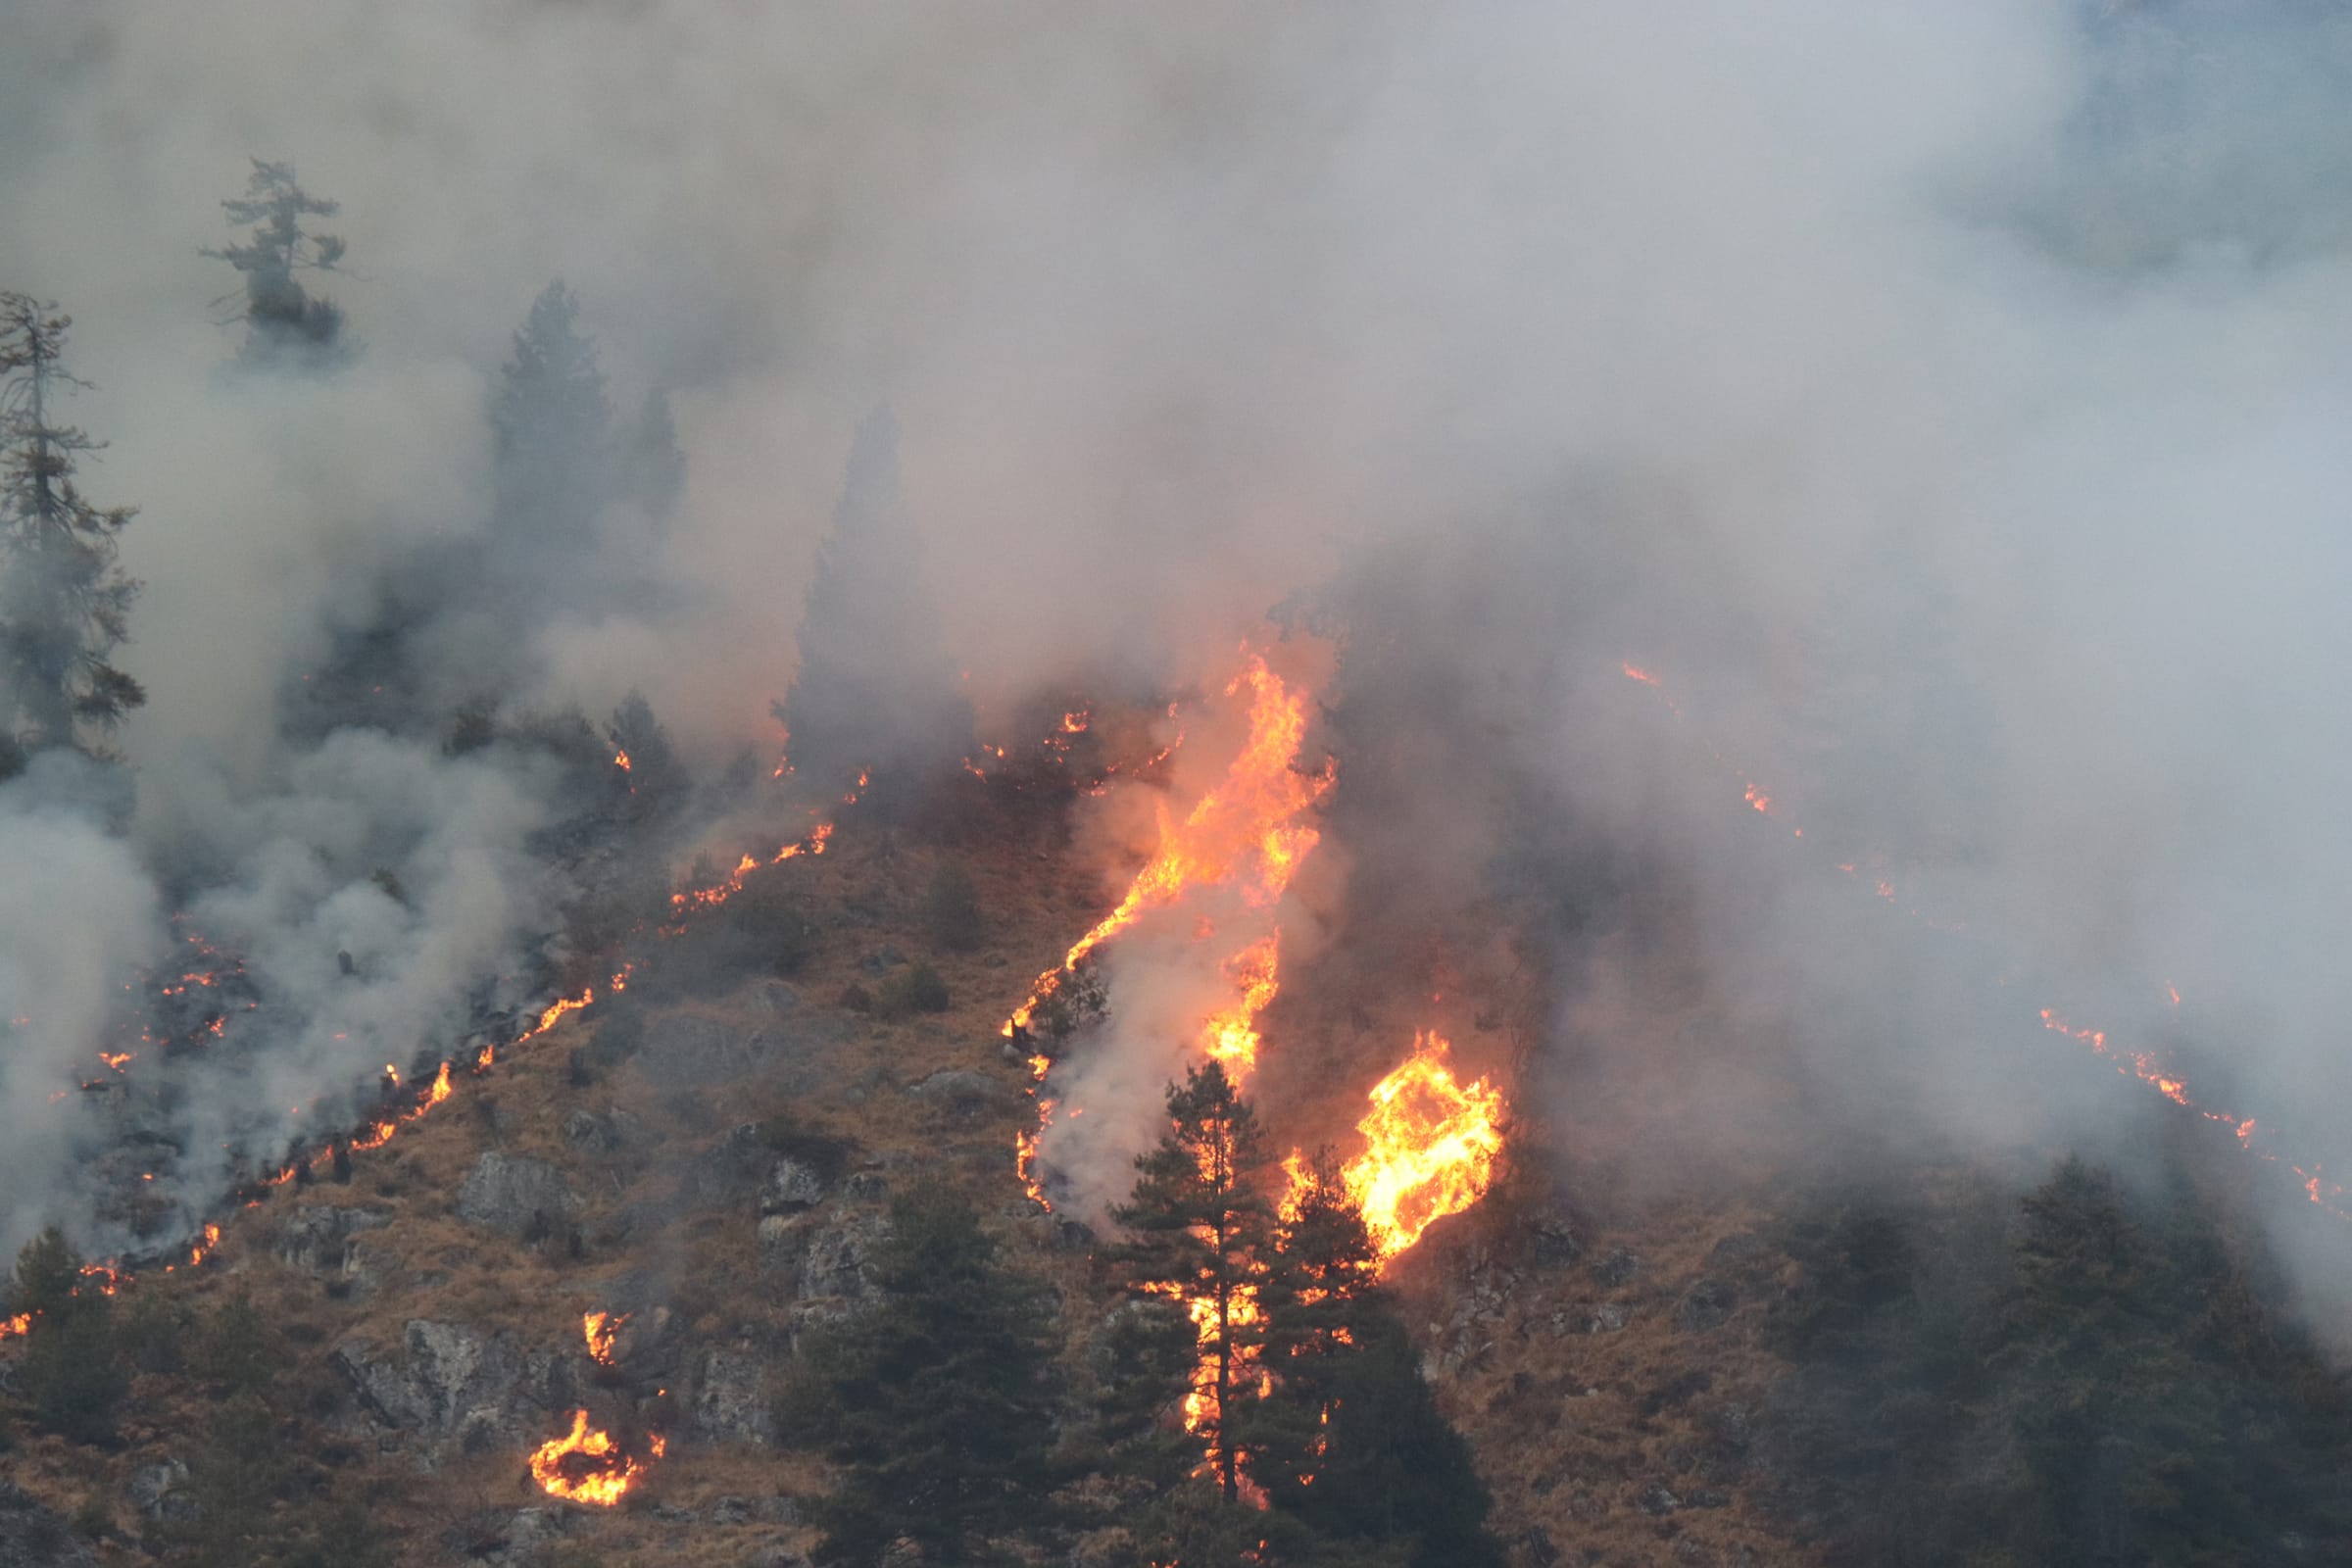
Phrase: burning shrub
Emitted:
{"points": [[952, 910], [918, 989]]}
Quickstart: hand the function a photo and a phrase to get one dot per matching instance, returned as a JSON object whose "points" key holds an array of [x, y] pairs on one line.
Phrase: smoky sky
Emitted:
{"points": [[1945, 400]]}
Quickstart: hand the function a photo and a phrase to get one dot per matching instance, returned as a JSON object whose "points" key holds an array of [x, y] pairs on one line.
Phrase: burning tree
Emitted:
{"points": [[285, 324], [1203, 1236], [875, 690], [64, 600]]}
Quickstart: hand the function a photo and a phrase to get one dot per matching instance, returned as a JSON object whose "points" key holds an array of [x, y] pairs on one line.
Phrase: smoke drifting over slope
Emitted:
{"points": [[1944, 403]]}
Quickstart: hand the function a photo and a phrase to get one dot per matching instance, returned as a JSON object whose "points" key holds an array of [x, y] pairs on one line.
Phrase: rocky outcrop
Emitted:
{"points": [[959, 1090], [159, 1491], [458, 1385], [689, 1051], [516, 1197], [319, 1237], [728, 1398], [827, 1254]]}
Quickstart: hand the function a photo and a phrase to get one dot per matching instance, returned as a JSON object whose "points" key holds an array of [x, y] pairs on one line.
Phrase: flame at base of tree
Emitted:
{"points": [[585, 1465], [1430, 1144]]}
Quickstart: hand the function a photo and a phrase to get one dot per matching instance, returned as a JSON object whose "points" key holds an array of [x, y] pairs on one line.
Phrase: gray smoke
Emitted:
{"points": [[1945, 401]]}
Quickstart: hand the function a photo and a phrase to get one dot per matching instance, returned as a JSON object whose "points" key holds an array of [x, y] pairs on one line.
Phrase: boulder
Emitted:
{"points": [[838, 1258], [960, 1089], [1707, 1305], [157, 1492], [790, 1187], [514, 1197], [459, 1384], [1615, 1267], [728, 1401], [319, 1238]]}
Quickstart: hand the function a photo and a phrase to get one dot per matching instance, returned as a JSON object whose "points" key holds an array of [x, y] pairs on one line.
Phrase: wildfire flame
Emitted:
{"points": [[599, 1329], [1429, 1152], [587, 1466]]}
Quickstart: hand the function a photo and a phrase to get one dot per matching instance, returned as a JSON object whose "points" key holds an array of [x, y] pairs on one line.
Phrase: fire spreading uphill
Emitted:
{"points": [[2143, 1065], [1429, 1141]]}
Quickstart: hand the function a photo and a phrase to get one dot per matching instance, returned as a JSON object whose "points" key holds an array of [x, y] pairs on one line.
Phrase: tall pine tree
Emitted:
{"points": [[64, 601], [1203, 1235]]}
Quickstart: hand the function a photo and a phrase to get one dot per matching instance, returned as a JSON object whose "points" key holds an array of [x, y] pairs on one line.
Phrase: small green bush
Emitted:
{"points": [[952, 910], [916, 990]]}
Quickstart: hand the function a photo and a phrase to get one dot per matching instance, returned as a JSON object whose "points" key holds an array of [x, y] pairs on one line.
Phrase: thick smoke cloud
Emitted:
{"points": [[1945, 401]]}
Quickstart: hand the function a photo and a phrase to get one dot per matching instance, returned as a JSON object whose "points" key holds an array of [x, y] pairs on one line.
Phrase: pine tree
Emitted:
{"points": [[937, 1403], [285, 324], [551, 421], [1203, 1235], [653, 470], [1349, 1439], [874, 692], [640, 751], [73, 1368], [65, 602]]}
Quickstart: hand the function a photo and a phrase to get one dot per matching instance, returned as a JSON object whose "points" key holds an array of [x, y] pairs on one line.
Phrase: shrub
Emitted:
{"points": [[916, 990]]}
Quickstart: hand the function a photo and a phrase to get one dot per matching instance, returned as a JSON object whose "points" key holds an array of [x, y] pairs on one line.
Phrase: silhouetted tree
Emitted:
{"points": [[285, 324], [552, 422], [1203, 1235], [936, 1401], [651, 773], [874, 692], [652, 468], [64, 600]]}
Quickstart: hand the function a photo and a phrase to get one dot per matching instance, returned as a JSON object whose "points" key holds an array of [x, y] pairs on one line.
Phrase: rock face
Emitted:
{"points": [[1707, 1306], [729, 1402], [319, 1237], [155, 1490], [790, 1187], [828, 1254], [514, 1197], [960, 1090], [31, 1537], [459, 1384]]}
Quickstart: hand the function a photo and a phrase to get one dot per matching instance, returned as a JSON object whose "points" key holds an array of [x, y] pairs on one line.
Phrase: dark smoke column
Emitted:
{"points": [[875, 692]]}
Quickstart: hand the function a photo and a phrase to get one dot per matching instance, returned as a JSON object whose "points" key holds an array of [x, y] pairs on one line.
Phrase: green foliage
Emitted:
{"points": [[2089, 1376], [936, 1402], [237, 1353], [918, 988], [1080, 998], [73, 1367], [952, 910], [154, 1332]]}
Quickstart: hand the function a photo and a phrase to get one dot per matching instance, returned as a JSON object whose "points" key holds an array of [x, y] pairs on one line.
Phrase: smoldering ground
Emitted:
{"points": [[1942, 402]]}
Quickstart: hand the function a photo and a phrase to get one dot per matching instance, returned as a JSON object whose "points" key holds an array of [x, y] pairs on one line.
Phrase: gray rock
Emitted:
{"points": [[1707, 1306], [865, 1187], [607, 1134], [154, 1490], [887, 956], [692, 1052], [458, 1385], [1656, 1499], [1708, 1500], [1593, 1317], [514, 1197], [781, 1238], [1615, 1266], [839, 1257], [729, 1398], [791, 1187], [319, 1238], [780, 998], [31, 1537], [732, 1169], [1554, 1243], [962, 1090]]}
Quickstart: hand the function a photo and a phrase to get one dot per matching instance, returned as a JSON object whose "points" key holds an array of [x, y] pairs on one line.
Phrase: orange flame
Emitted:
{"points": [[588, 1466], [1429, 1148], [599, 1329]]}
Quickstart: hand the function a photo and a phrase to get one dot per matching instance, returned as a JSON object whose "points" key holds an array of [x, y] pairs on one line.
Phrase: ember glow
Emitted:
{"points": [[586, 1465], [1430, 1144]]}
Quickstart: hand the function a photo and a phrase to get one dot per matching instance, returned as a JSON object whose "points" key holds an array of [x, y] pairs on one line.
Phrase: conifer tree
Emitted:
{"points": [[1349, 1440], [64, 599], [285, 324], [1203, 1235], [874, 692], [73, 1367], [552, 423], [937, 1401], [641, 750]]}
